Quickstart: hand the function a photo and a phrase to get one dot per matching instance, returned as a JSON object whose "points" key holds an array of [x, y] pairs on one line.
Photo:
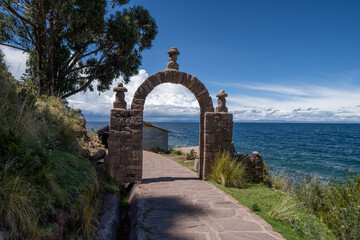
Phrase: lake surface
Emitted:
{"points": [[317, 149]]}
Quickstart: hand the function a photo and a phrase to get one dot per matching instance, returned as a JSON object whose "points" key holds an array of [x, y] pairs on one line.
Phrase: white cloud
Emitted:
{"points": [[15, 60], [166, 101], [175, 102]]}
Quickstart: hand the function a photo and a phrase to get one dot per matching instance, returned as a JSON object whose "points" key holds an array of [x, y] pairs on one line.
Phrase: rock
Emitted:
{"points": [[196, 164], [58, 143], [109, 217], [100, 168], [4, 235], [98, 155]]}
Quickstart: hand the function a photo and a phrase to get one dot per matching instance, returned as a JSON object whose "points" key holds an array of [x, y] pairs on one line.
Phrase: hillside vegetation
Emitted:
{"points": [[45, 175]]}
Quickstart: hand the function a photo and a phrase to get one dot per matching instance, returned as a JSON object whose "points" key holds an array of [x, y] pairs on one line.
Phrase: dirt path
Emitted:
{"points": [[172, 203]]}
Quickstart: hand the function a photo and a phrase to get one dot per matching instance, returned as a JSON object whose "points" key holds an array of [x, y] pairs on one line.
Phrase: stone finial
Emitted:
{"points": [[120, 96], [221, 107], [172, 64]]}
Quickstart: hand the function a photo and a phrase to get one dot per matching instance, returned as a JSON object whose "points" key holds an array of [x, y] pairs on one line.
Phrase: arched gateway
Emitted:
{"points": [[125, 146]]}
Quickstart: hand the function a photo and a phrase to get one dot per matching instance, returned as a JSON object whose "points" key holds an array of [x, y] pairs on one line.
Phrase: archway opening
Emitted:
{"points": [[171, 121]]}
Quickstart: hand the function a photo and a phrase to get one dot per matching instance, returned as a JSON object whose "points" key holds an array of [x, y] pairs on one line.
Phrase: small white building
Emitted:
{"points": [[154, 137]]}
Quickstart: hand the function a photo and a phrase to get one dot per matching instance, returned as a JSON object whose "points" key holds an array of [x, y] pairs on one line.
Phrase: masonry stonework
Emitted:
{"points": [[125, 146]]}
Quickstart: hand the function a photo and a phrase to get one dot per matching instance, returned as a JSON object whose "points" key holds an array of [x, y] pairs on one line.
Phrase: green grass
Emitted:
{"points": [[186, 163], [180, 159], [291, 220]]}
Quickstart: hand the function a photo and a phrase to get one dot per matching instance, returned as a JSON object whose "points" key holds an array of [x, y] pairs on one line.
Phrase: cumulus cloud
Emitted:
{"points": [[167, 102], [171, 102]]}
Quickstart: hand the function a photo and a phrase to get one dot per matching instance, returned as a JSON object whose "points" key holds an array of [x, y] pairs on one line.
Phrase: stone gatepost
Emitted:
{"points": [[125, 141], [218, 132]]}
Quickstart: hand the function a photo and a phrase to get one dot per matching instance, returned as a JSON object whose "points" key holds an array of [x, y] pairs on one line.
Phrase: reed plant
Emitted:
{"points": [[228, 172]]}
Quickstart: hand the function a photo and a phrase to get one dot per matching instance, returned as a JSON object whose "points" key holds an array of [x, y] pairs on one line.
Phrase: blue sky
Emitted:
{"points": [[278, 60]]}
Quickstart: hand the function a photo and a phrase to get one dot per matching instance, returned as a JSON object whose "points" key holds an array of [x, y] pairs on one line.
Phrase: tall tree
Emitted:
{"points": [[73, 44]]}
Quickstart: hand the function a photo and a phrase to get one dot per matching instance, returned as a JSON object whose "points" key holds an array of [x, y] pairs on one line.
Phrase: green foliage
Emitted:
{"points": [[280, 181], [344, 207], [228, 172], [191, 155], [38, 179], [157, 150], [312, 192], [73, 43], [335, 203], [173, 151]]}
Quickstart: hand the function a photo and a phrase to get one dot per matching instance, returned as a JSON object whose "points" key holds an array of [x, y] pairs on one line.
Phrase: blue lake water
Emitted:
{"points": [[317, 149]]}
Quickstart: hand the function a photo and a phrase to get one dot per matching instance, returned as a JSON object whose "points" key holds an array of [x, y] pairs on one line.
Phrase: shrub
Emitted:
{"points": [[344, 207], [227, 171], [191, 155], [312, 192], [156, 150], [172, 150], [281, 181]]}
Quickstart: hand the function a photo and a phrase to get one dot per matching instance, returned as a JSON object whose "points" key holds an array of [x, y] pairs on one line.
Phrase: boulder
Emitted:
{"points": [[98, 155]]}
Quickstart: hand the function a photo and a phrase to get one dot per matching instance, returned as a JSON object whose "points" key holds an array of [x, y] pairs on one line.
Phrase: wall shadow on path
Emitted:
{"points": [[163, 215], [166, 179]]}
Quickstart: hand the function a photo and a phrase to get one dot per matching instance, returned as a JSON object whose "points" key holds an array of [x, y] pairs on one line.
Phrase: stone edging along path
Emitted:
{"points": [[172, 203]]}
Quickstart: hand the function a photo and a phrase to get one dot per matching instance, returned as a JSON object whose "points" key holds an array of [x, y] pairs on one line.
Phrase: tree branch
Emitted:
{"points": [[91, 79], [7, 45], [13, 11]]}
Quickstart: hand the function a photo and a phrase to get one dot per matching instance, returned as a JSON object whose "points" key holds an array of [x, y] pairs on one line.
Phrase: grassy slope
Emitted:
{"points": [[37, 178]]}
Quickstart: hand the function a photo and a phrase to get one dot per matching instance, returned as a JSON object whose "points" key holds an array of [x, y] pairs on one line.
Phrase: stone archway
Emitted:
{"points": [[125, 148]]}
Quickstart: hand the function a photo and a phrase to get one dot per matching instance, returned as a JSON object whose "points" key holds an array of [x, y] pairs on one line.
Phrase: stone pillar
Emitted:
{"points": [[257, 169], [218, 133], [125, 141]]}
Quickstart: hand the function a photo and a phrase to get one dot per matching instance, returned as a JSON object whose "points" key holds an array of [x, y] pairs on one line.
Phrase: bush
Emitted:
{"points": [[191, 155], [228, 172], [343, 202], [172, 150], [281, 182], [312, 192], [336, 203]]}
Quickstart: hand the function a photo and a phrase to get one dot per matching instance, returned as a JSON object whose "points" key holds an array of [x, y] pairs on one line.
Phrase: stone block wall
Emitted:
{"points": [[254, 165], [218, 137], [125, 145]]}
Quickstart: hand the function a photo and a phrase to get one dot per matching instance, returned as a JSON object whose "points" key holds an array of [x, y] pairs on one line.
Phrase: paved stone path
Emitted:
{"points": [[172, 203]]}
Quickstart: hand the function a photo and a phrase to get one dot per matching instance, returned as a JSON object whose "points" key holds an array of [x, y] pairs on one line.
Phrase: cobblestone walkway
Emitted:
{"points": [[172, 203]]}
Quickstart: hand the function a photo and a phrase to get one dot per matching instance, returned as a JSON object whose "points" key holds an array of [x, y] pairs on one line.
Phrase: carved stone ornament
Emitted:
{"points": [[172, 64], [221, 107], [120, 96]]}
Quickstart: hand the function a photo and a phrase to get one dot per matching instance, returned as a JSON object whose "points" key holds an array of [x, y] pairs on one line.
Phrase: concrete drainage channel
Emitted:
{"points": [[114, 217]]}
